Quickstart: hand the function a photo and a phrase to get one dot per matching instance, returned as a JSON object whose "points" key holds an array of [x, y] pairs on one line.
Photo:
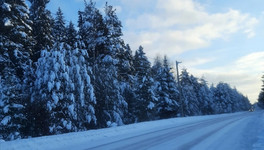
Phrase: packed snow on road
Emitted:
{"points": [[243, 131]]}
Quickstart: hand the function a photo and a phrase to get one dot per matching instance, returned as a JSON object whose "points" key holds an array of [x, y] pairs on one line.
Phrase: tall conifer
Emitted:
{"points": [[41, 28], [15, 41]]}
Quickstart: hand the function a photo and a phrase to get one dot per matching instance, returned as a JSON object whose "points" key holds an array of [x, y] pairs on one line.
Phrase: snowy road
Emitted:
{"points": [[230, 133], [238, 131]]}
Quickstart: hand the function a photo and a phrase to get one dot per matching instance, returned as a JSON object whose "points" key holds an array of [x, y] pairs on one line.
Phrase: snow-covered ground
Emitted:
{"points": [[244, 130]]}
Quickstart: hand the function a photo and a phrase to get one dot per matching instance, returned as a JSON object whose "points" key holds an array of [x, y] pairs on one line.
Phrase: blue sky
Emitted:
{"points": [[217, 40]]}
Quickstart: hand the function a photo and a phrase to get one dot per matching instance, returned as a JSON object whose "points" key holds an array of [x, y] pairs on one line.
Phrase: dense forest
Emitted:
{"points": [[57, 79]]}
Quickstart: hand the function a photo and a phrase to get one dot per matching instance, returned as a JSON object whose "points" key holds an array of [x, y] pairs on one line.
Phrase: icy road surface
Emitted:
{"points": [[238, 131]]}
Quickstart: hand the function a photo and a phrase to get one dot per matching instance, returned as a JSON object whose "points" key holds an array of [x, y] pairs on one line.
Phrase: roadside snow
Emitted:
{"points": [[92, 138], [259, 144]]}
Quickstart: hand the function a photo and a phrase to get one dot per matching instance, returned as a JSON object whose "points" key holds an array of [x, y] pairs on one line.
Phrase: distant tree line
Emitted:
{"points": [[56, 79]]}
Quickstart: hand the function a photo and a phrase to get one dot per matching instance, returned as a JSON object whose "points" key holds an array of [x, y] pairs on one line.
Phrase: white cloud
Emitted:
{"points": [[251, 63], [245, 73], [198, 61], [180, 26]]}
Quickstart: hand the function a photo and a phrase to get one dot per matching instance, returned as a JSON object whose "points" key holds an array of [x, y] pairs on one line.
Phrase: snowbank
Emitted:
{"points": [[80, 140], [259, 145]]}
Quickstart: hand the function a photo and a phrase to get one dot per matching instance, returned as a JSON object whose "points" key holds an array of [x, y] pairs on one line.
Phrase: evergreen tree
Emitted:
{"points": [[146, 99], [124, 56], [113, 31], [71, 36], [56, 100], [12, 107], [62, 106], [68, 100], [59, 29], [167, 92], [222, 99], [189, 85], [260, 99], [240, 102], [236, 100], [205, 97], [92, 31], [261, 95], [126, 79], [82, 89], [110, 103], [15, 41], [43, 97], [128, 92], [98, 39], [41, 28], [227, 100], [15, 35], [125, 65]]}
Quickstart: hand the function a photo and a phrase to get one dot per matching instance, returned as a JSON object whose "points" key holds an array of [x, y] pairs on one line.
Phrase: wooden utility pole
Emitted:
{"points": [[179, 87]]}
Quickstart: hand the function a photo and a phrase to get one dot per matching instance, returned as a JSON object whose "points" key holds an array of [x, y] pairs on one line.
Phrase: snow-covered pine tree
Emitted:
{"points": [[15, 42], [240, 102], [124, 55], [125, 65], [11, 106], [114, 30], [50, 93], [41, 28], [92, 38], [59, 28], [41, 95], [244, 103], [82, 89], [227, 100], [262, 86], [111, 105], [157, 71], [145, 108], [71, 36], [222, 99], [15, 32], [52, 89], [127, 80], [260, 99], [261, 95], [167, 92], [189, 84], [62, 107], [205, 97], [92, 31], [236, 100], [128, 92]]}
